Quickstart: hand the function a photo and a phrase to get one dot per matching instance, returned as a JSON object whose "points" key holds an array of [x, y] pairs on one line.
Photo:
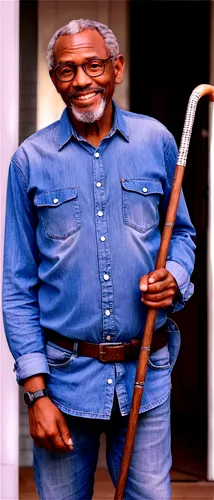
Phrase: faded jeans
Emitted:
{"points": [[71, 476]]}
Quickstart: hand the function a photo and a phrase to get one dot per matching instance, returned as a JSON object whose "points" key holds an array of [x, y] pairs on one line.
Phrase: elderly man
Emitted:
{"points": [[86, 197]]}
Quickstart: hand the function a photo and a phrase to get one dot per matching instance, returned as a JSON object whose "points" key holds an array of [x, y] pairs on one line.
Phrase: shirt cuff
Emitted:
{"points": [[29, 365], [186, 288]]}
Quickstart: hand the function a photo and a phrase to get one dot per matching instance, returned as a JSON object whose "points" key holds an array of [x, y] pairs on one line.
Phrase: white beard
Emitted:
{"points": [[89, 116]]}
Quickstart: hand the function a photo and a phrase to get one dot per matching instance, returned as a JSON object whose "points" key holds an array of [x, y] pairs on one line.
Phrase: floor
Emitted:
{"points": [[181, 490]]}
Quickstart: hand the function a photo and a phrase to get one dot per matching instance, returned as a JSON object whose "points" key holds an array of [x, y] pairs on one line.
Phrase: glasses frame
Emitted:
{"points": [[75, 66]]}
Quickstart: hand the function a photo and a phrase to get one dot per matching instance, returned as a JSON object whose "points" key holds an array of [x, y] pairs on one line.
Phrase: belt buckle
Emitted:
{"points": [[102, 349]]}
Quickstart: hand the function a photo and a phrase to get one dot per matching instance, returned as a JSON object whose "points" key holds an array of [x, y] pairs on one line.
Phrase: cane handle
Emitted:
{"points": [[197, 93]]}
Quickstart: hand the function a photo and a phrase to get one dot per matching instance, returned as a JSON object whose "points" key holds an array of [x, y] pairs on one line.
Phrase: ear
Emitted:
{"points": [[119, 65], [54, 79]]}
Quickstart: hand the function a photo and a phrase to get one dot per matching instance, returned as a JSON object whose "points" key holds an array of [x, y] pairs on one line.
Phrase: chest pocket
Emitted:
{"points": [[140, 199], [58, 212]]}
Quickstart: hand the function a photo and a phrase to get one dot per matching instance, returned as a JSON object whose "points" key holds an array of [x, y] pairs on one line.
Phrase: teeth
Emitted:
{"points": [[87, 96]]}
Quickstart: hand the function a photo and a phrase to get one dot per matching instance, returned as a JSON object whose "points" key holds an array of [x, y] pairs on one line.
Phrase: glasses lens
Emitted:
{"points": [[94, 67], [65, 72]]}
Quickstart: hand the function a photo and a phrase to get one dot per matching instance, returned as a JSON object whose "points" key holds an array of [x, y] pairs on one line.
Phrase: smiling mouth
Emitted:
{"points": [[86, 96]]}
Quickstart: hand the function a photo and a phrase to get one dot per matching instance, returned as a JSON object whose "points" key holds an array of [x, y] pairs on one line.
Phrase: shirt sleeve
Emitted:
{"points": [[181, 254], [24, 334]]}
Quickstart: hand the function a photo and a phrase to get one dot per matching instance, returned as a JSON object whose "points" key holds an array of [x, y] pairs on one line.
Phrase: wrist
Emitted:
{"points": [[35, 383]]}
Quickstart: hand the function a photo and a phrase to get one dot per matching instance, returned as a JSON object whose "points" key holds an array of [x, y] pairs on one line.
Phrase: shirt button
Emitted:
{"points": [[106, 277], [144, 189], [98, 184], [108, 337], [107, 313], [97, 154], [56, 200], [100, 213], [109, 381], [102, 238]]}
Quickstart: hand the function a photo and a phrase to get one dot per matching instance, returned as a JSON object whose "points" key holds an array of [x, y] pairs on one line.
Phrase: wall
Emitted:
{"points": [[9, 141], [27, 68]]}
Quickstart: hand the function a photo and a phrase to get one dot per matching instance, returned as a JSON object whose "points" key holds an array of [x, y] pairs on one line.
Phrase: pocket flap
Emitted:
{"points": [[55, 198], [142, 186]]}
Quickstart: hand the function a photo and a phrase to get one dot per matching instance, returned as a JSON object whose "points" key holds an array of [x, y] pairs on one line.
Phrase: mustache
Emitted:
{"points": [[79, 92]]}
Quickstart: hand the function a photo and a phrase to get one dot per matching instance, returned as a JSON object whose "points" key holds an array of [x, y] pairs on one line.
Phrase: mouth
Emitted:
{"points": [[85, 97]]}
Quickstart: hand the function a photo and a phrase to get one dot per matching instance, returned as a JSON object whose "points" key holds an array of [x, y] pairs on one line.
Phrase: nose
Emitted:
{"points": [[81, 79]]}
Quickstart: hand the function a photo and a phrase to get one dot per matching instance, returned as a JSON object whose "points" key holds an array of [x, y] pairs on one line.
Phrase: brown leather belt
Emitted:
{"points": [[110, 352]]}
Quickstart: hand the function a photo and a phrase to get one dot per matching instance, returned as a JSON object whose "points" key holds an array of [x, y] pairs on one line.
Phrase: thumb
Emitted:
{"points": [[65, 434], [143, 283]]}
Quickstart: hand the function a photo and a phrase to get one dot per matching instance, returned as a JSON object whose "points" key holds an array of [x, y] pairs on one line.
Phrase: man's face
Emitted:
{"points": [[87, 97]]}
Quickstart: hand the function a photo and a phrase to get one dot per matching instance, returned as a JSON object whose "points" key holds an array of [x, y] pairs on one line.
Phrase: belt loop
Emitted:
{"points": [[75, 348]]}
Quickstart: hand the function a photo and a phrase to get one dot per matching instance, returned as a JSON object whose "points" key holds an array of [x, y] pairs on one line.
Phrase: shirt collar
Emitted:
{"points": [[119, 123], [67, 129]]}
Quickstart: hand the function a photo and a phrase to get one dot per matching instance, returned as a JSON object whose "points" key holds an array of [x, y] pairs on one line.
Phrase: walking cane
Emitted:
{"points": [[197, 93]]}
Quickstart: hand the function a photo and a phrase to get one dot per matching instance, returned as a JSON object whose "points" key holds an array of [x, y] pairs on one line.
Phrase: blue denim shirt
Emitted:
{"points": [[82, 227]]}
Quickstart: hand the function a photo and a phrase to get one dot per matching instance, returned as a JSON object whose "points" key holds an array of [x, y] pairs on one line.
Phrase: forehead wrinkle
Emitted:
{"points": [[72, 47], [81, 51], [68, 56], [77, 46]]}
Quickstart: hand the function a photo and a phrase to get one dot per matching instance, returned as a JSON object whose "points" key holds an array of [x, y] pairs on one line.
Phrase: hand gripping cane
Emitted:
{"points": [[197, 93]]}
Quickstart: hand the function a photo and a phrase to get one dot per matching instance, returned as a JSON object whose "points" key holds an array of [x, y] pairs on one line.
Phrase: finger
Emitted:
{"points": [[158, 297], [65, 434], [143, 282], [158, 275], [163, 304], [45, 437], [54, 438], [160, 286]]}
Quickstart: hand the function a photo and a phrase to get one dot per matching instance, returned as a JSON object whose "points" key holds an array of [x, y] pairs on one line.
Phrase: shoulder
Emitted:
{"points": [[149, 131], [43, 132], [35, 143], [144, 122], [29, 154]]}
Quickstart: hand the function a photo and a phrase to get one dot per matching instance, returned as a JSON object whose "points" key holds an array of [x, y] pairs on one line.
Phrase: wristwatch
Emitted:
{"points": [[31, 397]]}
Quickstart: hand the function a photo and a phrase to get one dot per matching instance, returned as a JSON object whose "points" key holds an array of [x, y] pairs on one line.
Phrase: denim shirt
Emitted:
{"points": [[82, 227]]}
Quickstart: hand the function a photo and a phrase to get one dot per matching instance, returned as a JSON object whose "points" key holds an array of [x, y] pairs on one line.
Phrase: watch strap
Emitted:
{"points": [[40, 394]]}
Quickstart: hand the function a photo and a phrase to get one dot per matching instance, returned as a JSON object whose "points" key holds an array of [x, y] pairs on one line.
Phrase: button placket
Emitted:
{"points": [[103, 250]]}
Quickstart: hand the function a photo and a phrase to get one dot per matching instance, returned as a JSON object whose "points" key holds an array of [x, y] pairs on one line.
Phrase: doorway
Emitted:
{"points": [[169, 57]]}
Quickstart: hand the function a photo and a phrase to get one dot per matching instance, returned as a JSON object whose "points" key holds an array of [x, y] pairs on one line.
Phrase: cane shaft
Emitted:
{"points": [[136, 401], [160, 262]]}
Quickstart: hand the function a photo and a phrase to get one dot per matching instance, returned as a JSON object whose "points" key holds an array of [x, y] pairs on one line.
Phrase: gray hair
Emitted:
{"points": [[76, 26]]}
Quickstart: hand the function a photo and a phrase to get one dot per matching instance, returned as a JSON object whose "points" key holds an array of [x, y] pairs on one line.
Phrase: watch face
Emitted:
{"points": [[28, 398]]}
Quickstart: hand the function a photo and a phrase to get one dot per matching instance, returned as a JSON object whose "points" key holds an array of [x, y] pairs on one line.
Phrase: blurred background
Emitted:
{"points": [[168, 47]]}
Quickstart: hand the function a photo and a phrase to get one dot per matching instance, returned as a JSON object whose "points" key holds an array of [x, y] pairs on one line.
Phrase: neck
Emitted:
{"points": [[96, 131]]}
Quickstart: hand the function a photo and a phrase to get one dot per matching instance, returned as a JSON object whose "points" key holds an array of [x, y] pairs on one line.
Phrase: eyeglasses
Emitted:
{"points": [[67, 71]]}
